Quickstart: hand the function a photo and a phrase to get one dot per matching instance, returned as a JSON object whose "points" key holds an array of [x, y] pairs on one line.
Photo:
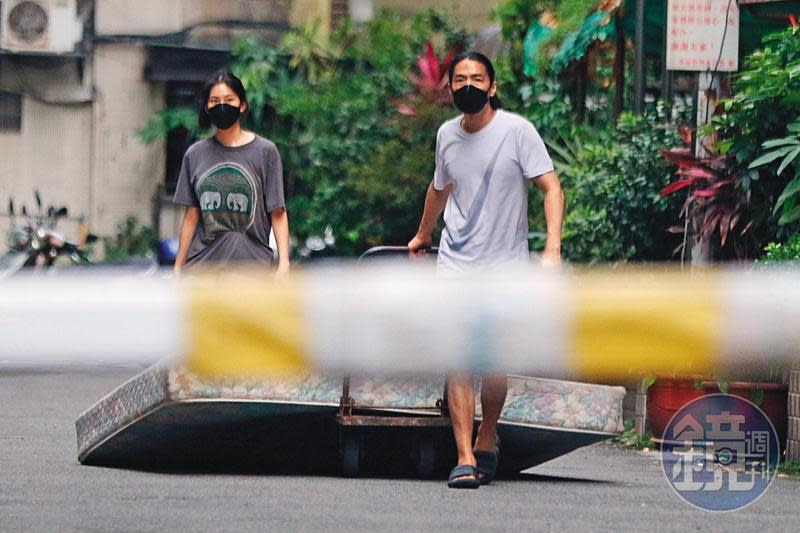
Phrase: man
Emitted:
{"points": [[485, 160]]}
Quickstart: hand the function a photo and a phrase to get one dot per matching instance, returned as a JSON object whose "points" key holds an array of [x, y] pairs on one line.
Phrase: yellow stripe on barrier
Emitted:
{"points": [[642, 323], [245, 326]]}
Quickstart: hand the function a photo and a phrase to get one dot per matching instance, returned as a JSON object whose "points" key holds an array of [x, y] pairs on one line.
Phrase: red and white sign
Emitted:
{"points": [[695, 30]]}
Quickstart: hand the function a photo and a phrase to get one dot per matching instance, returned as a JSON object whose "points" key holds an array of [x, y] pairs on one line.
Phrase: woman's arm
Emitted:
{"points": [[280, 226], [191, 217]]}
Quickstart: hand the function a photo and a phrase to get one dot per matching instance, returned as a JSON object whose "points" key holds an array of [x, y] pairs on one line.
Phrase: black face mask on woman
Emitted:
{"points": [[223, 116], [470, 99]]}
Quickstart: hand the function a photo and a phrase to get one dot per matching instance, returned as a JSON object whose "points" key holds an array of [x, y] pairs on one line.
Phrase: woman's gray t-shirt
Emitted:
{"points": [[235, 188], [486, 215]]}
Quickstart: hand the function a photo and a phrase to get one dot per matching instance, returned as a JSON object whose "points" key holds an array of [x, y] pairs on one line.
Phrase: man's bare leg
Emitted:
{"points": [[461, 404], [493, 396]]}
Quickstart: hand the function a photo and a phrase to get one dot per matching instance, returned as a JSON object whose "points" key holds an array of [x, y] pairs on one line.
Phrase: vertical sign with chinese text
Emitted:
{"points": [[695, 30]]}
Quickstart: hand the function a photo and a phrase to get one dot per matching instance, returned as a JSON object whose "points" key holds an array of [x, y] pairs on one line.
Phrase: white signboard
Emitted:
{"points": [[695, 30]]}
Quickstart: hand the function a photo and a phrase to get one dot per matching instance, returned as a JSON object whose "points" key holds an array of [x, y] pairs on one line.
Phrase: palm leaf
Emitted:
{"points": [[771, 156], [791, 189], [788, 159]]}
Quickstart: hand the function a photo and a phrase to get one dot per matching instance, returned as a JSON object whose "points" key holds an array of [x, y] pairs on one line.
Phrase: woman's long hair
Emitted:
{"points": [[221, 76]]}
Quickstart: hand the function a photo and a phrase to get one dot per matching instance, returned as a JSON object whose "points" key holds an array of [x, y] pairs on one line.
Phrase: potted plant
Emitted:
{"points": [[767, 390]]}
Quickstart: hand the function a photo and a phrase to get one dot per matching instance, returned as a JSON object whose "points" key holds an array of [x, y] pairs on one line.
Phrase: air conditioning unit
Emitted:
{"points": [[47, 26]]}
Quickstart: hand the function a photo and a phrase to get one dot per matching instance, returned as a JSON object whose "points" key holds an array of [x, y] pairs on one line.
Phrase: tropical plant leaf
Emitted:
{"points": [[721, 183], [698, 172], [781, 142], [710, 221], [788, 160], [564, 152], [789, 215], [706, 193], [676, 186], [735, 220], [769, 157], [678, 156], [724, 225], [791, 189]]}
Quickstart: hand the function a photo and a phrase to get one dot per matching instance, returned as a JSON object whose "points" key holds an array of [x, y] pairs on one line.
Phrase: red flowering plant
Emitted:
{"points": [[430, 83], [717, 204]]}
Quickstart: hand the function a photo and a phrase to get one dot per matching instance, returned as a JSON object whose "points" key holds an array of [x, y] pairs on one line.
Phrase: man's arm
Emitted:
{"points": [[554, 215], [435, 201]]}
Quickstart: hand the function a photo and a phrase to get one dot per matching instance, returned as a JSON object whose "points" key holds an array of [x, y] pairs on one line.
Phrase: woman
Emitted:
{"points": [[232, 187]]}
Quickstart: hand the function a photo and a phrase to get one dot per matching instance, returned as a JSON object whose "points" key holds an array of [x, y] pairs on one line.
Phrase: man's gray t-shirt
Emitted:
{"points": [[486, 216], [235, 188]]}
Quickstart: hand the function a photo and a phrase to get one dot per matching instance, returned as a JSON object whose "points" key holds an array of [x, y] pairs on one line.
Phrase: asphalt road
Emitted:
{"points": [[599, 488]]}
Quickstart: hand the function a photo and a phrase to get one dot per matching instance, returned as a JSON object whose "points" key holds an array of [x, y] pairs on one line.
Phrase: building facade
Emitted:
{"points": [[71, 107], [80, 78]]}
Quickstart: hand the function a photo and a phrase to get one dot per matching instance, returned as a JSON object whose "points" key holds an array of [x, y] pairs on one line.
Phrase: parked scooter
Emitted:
{"points": [[34, 243]]}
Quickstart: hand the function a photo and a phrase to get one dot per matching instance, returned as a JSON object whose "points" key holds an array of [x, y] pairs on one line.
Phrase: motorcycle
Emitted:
{"points": [[34, 243]]}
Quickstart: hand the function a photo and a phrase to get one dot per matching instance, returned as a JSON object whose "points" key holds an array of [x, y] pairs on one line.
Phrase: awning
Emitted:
{"points": [[180, 63], [197, 52], [598, 26]]}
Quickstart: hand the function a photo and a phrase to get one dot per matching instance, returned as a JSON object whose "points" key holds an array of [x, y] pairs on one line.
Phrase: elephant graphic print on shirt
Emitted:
{"points": [[227, 194], [210, 200]]}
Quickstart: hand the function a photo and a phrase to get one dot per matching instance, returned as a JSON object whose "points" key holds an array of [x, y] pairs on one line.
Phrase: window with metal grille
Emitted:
{"points": [[10, 111]]}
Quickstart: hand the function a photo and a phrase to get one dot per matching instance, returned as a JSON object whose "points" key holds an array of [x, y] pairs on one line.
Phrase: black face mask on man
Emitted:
{"points": [[223, 116], [470, 99]]}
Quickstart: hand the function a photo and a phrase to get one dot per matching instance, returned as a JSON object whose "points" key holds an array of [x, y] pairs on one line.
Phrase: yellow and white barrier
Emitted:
{"points": [[396, 318]]}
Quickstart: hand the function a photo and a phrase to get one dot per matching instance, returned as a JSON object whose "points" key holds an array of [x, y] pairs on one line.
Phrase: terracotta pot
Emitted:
{"points": [[667, 395], [774, 404]]}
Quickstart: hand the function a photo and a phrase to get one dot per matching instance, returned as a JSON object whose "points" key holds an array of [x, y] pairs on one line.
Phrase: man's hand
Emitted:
{"points": [[419, 242], [551, 257], [434, 205], [283, 271]]}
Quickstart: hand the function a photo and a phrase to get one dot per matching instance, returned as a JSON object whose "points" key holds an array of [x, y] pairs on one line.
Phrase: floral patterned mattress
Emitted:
{"points": [[533, 402]]}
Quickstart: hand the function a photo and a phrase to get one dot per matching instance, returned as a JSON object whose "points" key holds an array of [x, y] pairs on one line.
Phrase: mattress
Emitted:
{"points": [[165, 414]]}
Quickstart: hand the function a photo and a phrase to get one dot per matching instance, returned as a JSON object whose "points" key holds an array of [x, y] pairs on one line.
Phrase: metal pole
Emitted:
{"points": [[638, 103], [619, 66], [666, 75]]}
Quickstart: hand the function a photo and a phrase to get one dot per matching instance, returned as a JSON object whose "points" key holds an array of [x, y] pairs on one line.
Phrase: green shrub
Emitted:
{"points": [[764, 115], [612, 179], [131, 240], [781, 253]]}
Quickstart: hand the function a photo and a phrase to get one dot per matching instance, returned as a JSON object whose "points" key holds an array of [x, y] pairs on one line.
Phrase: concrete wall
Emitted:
{"points": [[84, 152], [144, 17], [126, 172], [87, 156], [152, 17], [306, 11], [170, 217], [474, 14], [793, 434], [51, 153]]}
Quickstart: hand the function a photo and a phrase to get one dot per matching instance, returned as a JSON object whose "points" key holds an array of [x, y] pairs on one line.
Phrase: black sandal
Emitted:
{"points": [[487, 462], [459, 477]]}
